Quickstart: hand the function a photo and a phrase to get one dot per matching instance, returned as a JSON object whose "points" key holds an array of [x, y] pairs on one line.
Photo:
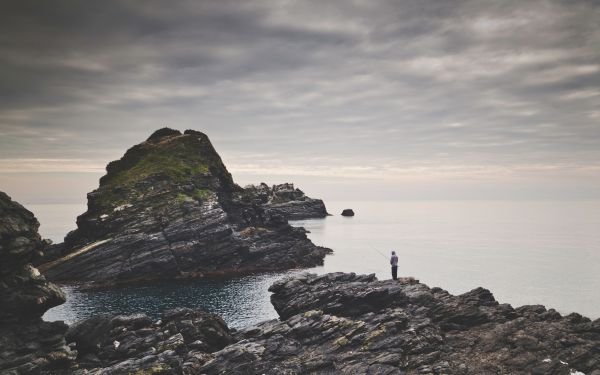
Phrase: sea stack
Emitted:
{"points": [[348, 212], [169, 208], [27, 343]]}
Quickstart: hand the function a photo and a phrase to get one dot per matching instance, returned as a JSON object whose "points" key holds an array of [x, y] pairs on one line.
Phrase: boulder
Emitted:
{"points": [[348, 212]]}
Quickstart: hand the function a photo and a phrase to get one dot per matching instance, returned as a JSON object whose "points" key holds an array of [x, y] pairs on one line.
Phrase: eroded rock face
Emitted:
{"points": [[349, 324], [180, 342], [169, 208], [27, 344]]}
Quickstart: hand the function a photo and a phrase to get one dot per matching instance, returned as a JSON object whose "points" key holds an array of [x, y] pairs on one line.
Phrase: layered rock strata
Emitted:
{"points": [[349, 324], [169, 208], [28, 345]]}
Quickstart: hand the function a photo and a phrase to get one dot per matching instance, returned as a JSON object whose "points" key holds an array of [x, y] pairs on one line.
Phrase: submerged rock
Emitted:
{"points": [[348, 212], [350, 324], [28, 345], [169, 208]]}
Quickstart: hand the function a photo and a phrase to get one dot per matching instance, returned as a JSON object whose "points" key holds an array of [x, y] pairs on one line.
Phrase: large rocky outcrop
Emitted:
{"points": [[28, 345], [348, 324], [169, 208]]}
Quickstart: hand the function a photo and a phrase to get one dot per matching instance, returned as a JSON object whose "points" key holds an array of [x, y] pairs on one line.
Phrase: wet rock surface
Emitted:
{"points": [[351, 324], [169, 208], [28, 345]]}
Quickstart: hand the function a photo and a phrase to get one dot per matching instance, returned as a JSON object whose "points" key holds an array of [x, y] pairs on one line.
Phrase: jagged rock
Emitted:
{"points": [[348, 212], [354, 324], [179, 342], [169, 208], [28, 345], [285, 200]]}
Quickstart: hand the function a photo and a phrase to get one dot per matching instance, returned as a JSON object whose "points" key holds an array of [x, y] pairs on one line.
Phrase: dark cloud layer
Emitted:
{"points": [[357, 88]]}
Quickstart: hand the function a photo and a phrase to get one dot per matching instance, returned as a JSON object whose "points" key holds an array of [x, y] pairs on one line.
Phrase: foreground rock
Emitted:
{"points": [[348, 324], [180, 342], [27, 344], [169, 208]]}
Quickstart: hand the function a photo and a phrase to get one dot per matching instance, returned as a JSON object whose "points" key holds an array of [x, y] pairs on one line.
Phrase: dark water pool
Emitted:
{"points": [[241, 301]]}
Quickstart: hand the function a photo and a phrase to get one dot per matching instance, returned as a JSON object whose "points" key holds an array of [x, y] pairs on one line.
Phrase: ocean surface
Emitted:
{"points": [[525, 252]]}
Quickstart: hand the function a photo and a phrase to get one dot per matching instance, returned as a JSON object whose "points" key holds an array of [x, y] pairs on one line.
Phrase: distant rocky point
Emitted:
{"points": [[285, 200], [169, 208]]}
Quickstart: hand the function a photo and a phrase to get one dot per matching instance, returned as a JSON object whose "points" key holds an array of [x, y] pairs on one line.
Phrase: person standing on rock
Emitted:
{"points": [[394, 263]]}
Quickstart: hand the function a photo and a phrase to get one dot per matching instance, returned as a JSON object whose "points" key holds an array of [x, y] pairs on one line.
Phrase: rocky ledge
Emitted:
{"points": [[27, 344], [169, 208], [343, 323], [349, 324]]}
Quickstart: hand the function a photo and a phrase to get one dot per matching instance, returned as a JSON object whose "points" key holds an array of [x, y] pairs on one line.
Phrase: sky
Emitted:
{"points": [[350, 100]]}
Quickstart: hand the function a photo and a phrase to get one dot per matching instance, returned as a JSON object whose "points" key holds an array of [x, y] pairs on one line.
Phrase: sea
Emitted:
{"points": [[524, 252]]}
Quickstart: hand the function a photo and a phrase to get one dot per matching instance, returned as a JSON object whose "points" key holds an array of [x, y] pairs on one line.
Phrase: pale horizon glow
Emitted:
{"points": [[387, 100]]}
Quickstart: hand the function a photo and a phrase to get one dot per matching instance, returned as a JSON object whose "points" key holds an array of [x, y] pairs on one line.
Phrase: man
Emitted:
{"points": [[394, 263]]}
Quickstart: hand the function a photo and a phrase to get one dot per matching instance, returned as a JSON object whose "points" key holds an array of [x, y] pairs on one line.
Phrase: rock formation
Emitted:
{"points": [[343, 323], [348, 212], [284, 200], [169, 208], [180, 342], [27, 344], [348, 324]]}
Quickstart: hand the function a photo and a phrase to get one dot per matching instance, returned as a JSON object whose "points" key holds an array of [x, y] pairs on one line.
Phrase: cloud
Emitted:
{"points": [[506, 85]]}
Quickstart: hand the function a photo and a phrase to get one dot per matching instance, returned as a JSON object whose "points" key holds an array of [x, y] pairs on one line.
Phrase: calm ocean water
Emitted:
{"points": [[524, 252]]}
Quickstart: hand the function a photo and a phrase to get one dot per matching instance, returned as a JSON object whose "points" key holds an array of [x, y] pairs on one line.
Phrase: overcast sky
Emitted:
{"points": [[349, 99]]}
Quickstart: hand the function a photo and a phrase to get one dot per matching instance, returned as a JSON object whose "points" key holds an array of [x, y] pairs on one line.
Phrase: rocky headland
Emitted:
{"points": [[169, 208]]}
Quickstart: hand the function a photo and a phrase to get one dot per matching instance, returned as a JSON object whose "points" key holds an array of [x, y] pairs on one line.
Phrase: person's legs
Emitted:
{"points": [[395, 272]]}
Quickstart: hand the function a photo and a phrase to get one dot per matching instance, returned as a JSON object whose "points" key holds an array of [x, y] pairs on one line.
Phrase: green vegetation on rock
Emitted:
{"points": [[178, 162], [203, 194], [167, 161]]}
